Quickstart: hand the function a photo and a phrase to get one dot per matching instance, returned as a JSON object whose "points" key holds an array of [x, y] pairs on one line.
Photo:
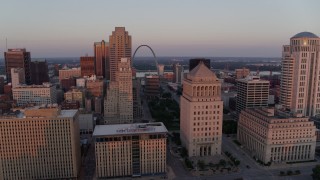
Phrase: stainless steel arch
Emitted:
{"points": [[154, 55]]}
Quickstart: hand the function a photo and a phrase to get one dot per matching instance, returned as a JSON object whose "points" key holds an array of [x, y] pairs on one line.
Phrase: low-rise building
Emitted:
{"points": [[277, 136], [75, 95], [130, 149], [68, 73], [38, 94]]}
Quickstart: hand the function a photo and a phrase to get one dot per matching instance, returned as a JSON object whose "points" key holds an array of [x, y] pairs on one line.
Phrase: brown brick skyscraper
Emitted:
{"points": [[87, 66], [120, 47], [17, 58]]}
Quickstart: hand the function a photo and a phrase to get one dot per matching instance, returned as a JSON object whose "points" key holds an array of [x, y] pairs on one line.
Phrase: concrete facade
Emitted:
{"points": [[201, 112], [277, 136], [40, 143], [38, 94], [17, 77], [69, 73], [300, 74], [130, 149], [118, 103], [252, 92]]}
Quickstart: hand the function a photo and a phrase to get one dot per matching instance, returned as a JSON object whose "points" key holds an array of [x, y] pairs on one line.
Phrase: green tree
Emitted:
{"points": [[316, 173], [237, 162], [201, 164], [222, 162]]}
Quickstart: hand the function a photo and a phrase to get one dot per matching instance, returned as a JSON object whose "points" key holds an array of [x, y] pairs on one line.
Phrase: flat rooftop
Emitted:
{"points": [[128, 129]]}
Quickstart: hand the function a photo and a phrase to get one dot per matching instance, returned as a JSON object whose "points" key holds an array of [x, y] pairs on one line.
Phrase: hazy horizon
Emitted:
{"points": [[245, 28]]}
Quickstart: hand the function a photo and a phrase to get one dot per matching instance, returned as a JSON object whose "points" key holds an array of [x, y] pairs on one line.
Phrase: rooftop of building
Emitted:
{"points": [[201, 73], [253, 79], [43, 85], [305, 35], [48, 110], [127, 129], [275, 113], [17, 50]]}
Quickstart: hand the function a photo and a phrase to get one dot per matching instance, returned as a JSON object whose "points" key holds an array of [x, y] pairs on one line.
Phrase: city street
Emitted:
{"points": [[87, 171]]}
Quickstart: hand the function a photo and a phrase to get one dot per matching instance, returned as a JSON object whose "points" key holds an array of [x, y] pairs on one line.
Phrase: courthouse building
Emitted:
{"points": [[130, 149], [201, 111], [277, 136], [40, 143]]}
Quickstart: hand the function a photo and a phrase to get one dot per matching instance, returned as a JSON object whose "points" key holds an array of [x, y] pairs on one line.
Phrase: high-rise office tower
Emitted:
{"points": [[87, 66], [119, 47], [178, 73], [39, 72], [18, 58], [194, 62], [118, 105], [17, 77], [252, 92], [41, 143], [300, 74], [101, 55], [201, 112]]}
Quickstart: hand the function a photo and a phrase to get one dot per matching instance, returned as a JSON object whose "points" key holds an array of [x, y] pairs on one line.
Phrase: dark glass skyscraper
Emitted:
{"points": [[39, 72]]}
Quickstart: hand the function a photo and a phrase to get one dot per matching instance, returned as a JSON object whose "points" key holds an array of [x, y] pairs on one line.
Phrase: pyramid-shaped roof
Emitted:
{"points": [[202, 72]]}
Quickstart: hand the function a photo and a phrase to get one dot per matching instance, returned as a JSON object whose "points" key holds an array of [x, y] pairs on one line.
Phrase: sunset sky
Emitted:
{"points": [[68, 28]]}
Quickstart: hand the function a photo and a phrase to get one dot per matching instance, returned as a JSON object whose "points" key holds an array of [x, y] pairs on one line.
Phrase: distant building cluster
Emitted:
{"points": [[50, 114]]}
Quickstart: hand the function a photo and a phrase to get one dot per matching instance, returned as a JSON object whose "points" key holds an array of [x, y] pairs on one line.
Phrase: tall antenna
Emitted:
{"points": [[6, 44]]}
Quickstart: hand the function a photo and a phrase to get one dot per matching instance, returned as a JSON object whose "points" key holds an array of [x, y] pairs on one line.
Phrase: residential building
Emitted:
{"points": [[18, 58], [124, 150], [38, 94], [300, 74], [201, 112], [39, 72], [276, 136], [17, 77], [252, 92], [120, 46], [87, 66], [40, 143]]}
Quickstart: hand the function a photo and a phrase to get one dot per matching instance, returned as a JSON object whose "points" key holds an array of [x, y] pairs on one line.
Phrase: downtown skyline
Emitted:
{"points": [[220, 29]]}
